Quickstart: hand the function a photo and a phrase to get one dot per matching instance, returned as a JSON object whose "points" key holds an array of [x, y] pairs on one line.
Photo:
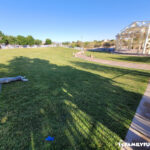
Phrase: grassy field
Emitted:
{"points": [[118, 57], [82, 105]]}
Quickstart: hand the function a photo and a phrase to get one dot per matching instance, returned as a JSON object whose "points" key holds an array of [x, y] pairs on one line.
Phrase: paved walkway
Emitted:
{"points": [[139, 130], [114, 63]]}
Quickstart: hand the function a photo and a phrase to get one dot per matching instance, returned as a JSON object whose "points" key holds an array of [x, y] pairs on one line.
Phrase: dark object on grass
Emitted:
{"points": [[49, 138]]}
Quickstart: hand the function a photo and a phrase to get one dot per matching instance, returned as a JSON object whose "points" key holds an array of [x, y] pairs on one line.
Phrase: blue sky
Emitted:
{"points": [[70, 20]]}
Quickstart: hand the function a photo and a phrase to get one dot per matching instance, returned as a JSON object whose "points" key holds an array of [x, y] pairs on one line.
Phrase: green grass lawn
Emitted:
{"points": [[82, 105], [118, 57]]}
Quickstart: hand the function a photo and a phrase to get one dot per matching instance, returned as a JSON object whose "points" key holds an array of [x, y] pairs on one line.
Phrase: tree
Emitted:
{"points": [[112, 42], [86, 44], [38, 42], [2, 38], [97, 43], [48, 42], [79, 44], [65, 43], [21, 40], [5, 40], [1, 34], [30, 40], [12, 40], [73, 44], [106, 45]]}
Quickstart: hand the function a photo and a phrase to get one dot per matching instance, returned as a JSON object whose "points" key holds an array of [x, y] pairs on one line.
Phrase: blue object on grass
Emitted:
{"points": [[49, 138]]}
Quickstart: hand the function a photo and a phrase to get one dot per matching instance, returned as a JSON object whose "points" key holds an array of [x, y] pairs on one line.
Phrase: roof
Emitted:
{"points": [[135, 28]]}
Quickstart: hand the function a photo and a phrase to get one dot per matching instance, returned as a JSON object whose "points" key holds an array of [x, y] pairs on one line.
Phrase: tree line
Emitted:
{"points": [[21, 40], [91, 44]]}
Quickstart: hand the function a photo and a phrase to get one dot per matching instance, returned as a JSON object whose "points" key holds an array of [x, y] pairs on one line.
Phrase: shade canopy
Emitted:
{"points": [[134, 38]]}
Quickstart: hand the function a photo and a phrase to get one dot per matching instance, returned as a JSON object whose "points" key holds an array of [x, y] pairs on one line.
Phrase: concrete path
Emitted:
{"points": [[114, 63], [139, 130]]}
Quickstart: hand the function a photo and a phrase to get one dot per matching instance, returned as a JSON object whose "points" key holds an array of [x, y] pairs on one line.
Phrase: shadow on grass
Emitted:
{"points": [[80, 109], [114, 71]]}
